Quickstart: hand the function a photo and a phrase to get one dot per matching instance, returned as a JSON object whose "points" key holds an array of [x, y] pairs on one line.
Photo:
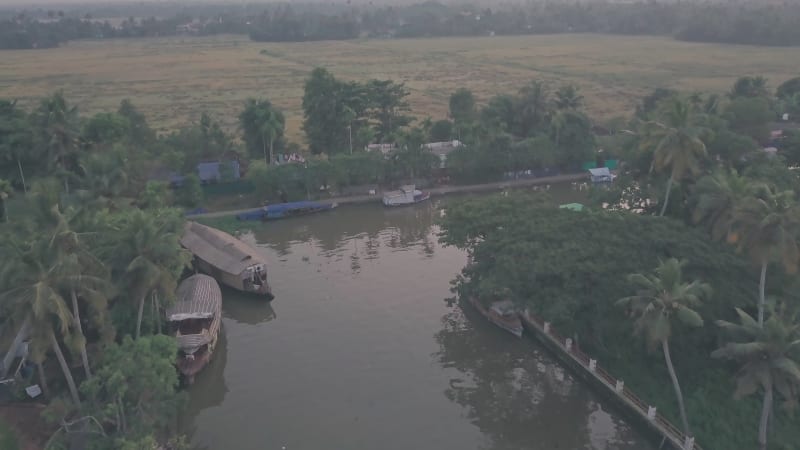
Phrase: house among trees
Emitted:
{"points": [[385, 149], [442, 149], [208, 172], [217, 171], [601, 175]]}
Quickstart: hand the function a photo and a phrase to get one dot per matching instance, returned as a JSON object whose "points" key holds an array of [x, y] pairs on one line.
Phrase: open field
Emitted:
{"points": [[173, 79]]}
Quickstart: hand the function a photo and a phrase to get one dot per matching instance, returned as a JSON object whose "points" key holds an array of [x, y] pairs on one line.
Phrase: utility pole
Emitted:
{"points": [[350, 135]]}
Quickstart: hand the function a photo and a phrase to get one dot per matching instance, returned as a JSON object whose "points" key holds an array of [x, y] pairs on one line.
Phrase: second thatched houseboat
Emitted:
{"points": [[227, 259], [195, 320]]}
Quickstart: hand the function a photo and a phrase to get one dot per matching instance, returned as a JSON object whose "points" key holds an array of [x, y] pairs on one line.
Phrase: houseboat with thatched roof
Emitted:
{"points": [[227, 259], [195, 320]]}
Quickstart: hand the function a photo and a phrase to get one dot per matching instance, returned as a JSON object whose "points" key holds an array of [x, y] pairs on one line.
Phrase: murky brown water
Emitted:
{"points": [[360, 351]]}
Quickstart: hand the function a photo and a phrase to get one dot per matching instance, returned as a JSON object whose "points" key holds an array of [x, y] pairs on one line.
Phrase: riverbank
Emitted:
{"points": [[438, 191]]}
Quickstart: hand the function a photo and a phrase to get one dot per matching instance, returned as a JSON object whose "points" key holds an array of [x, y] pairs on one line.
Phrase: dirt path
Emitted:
{"points": [[443, 190]]}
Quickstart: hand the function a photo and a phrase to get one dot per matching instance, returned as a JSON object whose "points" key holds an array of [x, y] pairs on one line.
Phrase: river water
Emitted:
{"points": [[362, 351]]}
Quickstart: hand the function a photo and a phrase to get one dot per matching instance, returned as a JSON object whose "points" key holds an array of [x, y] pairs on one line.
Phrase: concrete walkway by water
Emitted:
{"points": [[443, 190]]}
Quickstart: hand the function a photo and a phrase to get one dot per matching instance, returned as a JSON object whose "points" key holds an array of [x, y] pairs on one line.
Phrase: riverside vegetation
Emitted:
{"points": [[93, 252], [694, 249]]}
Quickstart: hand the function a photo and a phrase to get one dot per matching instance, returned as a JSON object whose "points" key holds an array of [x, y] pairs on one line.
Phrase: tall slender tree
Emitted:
{"points": [[767, 226], [56, 129], [715, 198], [676, 142], [661, 300], [769, 355], [33, 279]]}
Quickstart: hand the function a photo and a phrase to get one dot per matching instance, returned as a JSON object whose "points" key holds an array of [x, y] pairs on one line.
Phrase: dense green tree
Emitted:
{"points": [[190, 193], [788, 88], [55, 128], [731, 147], [462, 110], [750, 116], [790, 147], [104, 176], [329, 108], [571, 131], [15, 141], [155, 195], [568, 97], [413, 160], [676, 142], [501, 113], [653, 101], [441, 130], [533, 108], [462, 107], [766, 226], [768, 355], [140, 132], [661, 299], [716, 197], [263, 125], [135, 389], [105, 128], [387, 108], [750, 87]]}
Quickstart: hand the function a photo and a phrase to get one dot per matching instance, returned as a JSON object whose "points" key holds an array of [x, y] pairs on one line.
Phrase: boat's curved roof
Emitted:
{"points": [[198, 297], [219, 249]]}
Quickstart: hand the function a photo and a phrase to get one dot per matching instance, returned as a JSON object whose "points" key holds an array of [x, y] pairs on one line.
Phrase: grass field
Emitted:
{"points": [[174, 79]]}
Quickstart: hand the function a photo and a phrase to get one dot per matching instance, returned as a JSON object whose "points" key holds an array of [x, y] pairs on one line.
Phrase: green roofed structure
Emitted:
{"points": [[572, 206]]}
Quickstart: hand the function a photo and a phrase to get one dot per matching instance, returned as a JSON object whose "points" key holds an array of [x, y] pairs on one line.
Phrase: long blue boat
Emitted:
{"points": [[284, 210]]}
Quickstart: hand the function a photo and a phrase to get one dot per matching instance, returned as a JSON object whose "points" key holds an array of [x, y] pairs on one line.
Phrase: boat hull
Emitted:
{"points": [[510, 323], [232, 281], [423, 196]]}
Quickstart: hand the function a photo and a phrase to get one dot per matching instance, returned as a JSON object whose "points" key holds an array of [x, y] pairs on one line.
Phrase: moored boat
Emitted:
{"points": [[229, 260], [501, 313], [284, 210], [195, 320], [406, 195]]}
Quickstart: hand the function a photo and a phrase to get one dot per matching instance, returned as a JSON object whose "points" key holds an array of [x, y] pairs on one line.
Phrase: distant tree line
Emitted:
{"points": [[749, 23]]}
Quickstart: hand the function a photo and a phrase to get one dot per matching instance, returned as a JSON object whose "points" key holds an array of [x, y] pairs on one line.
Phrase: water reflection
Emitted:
{"points": [[516, 395], [398, 229], [247, 309], [211, 382]]}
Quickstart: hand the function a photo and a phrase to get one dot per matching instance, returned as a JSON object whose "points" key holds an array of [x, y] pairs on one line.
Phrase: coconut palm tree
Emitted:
{"points": [[769, 355], [56, 125], [34, 278], [676, 142], [661, 300], [766, 226], [716, 196], [147, 251], [82, 275], [568, 97], [14, 136]]}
